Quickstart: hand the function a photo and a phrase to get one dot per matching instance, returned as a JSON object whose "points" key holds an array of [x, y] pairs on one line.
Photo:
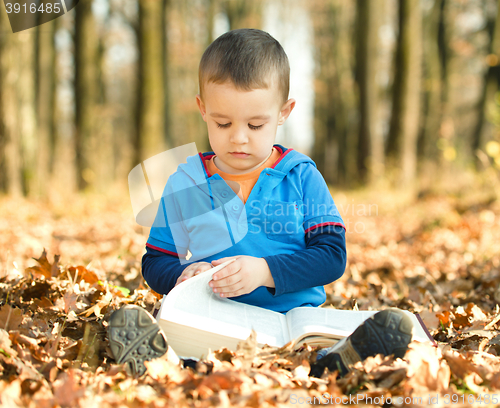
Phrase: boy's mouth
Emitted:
{"points": [[239, 155]]}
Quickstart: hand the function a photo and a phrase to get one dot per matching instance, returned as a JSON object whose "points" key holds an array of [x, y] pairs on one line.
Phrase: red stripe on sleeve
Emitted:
{"points": [[165, 251]]}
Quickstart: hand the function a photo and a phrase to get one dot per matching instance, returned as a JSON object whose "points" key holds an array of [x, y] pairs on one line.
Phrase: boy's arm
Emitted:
{"points": [[324, 258], [160, 264], [161, 270], [322, 262]]}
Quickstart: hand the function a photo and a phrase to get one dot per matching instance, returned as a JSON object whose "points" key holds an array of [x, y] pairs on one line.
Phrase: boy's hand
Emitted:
{"points": [[242, 276], [193, 270]]}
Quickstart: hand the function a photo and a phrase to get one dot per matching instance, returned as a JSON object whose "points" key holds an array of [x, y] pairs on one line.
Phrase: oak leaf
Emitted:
{"points": [[45, 268]]}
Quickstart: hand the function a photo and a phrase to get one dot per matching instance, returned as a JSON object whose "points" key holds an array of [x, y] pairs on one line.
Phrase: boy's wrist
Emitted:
{"points": [[269, 280]]}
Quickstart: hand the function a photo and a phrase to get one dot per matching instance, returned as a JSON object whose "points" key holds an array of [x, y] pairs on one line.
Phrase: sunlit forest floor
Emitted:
{"points": [[437, 254]]}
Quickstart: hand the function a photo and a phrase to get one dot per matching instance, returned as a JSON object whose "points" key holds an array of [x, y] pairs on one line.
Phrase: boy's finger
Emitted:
{"points": [[186, 274], [216, 262], [180, 279], [231, 291], [228, 283], [202, 269], [188, 271], [228, 270], [206, 267], [192, 269]]}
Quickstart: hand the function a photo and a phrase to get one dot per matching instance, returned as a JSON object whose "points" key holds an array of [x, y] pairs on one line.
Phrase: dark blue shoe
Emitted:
{"points": [[387, 332], [135, 337]]}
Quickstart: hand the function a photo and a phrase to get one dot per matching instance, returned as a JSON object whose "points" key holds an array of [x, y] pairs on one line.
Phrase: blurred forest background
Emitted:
{"points": [[398, 90]]}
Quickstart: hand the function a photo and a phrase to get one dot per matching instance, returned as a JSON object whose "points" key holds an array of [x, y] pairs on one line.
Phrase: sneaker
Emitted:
{"points": [[135, 337], [386, 332]]}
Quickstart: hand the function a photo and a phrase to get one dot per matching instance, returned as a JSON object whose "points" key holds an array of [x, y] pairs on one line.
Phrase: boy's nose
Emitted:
{"points": [[239, 136]]}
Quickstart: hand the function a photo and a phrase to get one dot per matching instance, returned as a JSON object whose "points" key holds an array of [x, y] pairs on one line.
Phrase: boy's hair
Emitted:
{"points": [[249, 58]]}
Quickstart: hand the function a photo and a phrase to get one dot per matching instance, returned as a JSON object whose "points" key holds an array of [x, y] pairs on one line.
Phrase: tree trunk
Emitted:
{"points": [[10, 136], [434, 60], [45, 95], [86, 63], [167, 105], [403, 133], [3, 132], [18, 109], [212, 9], [335, 130], [243, 13], [483, 131], [27, 108], [189, 41], [370, 150], [150, 137]]}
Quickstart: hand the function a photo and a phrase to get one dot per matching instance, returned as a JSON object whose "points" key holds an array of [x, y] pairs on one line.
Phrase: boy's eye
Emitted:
{"points": [[223, 125], [254, 127]]}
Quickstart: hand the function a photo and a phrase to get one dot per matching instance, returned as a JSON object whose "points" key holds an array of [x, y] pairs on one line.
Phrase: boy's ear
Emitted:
{"points": [[201, 107], [286, 109]]}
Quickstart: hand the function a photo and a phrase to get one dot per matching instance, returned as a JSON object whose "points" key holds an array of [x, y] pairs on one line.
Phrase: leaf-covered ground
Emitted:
{"points": [[438, 256]]}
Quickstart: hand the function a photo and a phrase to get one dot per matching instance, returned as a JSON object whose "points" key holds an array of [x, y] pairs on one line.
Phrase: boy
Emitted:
{"points": [[250, 200]]}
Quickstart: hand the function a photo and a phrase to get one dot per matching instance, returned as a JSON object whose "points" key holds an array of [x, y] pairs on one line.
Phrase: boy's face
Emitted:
{"points": [[242, 124]]}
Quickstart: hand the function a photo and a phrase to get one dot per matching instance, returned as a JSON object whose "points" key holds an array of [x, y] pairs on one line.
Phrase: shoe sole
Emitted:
{"points": [[135, 337], [387, 332]]}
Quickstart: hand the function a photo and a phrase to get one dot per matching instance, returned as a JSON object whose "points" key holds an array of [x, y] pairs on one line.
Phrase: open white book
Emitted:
{"points": [[197, 320]]}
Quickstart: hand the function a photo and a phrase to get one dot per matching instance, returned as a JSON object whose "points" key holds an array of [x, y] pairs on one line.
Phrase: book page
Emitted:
{"points": [[193, 303], [339, 323]]}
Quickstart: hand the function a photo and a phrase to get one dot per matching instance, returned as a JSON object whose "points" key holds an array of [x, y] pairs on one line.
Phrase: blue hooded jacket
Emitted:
{"points": [[201, 214]]}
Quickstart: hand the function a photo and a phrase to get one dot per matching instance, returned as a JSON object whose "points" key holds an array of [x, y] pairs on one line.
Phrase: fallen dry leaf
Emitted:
{"points": [[427, 371], [10, 317], [67, 390], [420, 258], [45, 268]]}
